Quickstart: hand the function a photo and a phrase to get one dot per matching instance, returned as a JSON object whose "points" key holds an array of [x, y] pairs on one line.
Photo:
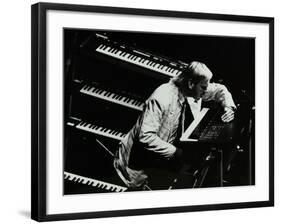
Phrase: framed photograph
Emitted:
{"points": [[138, 111]]}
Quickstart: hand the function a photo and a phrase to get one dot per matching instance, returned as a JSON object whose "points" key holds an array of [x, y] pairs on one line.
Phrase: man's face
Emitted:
{"points": [[200, 88]]}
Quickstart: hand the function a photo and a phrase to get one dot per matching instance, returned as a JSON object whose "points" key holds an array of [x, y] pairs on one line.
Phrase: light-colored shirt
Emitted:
{"points": [[195, 106]]}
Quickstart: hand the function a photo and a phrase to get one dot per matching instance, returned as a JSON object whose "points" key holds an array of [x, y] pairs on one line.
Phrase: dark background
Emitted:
{"points": [[231, 59]]}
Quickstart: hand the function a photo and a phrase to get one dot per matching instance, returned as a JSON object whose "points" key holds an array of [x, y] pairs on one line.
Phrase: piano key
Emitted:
{"points": [[108, 94], [120, 98], [126, 100], [103, 46]]}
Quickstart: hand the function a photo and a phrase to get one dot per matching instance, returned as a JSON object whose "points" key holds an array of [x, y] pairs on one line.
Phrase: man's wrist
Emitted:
{"points": [[233, 108]]}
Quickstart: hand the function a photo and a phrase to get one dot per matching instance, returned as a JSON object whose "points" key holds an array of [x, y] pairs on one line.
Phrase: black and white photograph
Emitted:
{"points": [[149, 111], [139, 112]]}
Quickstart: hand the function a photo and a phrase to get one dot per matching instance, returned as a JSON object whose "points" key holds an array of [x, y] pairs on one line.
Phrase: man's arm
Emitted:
{"points": [[149, 127], [220, 94]]}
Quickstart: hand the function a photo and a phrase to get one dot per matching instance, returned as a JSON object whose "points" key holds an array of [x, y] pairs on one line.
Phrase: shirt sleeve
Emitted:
{"points": [[149, 127], [220, 94]]}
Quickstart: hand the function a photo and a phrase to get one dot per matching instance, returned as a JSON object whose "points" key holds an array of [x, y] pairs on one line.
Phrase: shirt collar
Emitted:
{"points": [[192, 100]]}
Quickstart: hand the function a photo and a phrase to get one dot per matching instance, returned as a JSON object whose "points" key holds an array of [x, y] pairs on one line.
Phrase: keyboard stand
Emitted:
{"points": [[215, 156]]}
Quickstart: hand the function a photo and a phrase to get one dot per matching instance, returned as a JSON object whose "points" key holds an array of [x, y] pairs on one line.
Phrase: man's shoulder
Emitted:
{"points": [[165, 94], [165, 91]]}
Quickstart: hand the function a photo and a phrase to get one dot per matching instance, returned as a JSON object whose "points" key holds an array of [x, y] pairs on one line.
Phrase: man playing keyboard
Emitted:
{"points": [[167, 112]]}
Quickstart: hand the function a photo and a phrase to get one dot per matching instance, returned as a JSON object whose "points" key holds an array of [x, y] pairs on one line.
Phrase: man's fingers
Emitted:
{"points": [[225, 115], [228, 116], [228, 119]]}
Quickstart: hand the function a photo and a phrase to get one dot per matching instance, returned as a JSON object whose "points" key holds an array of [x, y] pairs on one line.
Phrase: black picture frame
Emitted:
{"points": [[39, 109]]}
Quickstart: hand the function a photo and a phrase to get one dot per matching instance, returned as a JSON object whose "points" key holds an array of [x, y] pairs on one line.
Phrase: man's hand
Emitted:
{"points": [[228, 115]]}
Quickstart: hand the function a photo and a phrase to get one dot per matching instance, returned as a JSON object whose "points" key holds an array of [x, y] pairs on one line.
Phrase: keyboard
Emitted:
{"points": [[211, 132], [194, 124], [138, 57], [108, 95], [101, 185], [92, 128], [207, 126]]}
